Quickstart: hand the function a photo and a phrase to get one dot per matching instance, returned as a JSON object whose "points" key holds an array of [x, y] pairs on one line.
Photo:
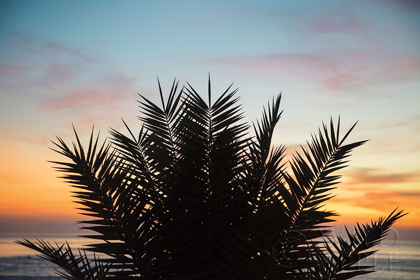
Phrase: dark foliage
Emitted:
{"points": [[193, 197]]}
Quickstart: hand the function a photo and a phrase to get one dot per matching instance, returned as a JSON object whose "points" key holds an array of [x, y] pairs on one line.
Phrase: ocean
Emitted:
{"points": [[395, 260], [18, 262]]}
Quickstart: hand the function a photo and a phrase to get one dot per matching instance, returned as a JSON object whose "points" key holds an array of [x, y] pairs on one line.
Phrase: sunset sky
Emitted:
{"points": [[83, 63]]}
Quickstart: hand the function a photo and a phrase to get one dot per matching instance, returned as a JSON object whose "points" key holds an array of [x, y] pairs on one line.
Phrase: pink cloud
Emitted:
{"points": [[336, 70], [342, 21], [113, 90], [78, 98], [340, 81], [344, 24], [60, 71], [12, 71], [372, 71], [78, 79]]}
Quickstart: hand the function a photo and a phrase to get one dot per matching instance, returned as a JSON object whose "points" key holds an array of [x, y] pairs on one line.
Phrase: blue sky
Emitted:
{"points": [[83, 62]]}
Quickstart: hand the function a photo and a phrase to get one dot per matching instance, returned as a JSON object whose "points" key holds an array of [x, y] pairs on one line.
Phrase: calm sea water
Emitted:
{"points": [[396, 260], [18, 262]]}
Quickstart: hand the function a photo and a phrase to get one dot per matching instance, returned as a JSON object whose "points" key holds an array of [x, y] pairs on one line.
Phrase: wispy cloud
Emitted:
{"points": [[380, 200], [339, 21], [78, 98], [69, 77], [112, 90], [346, 50], [41, 63], [12, 71], [60, 71], [28, 42], [362, 176], [51, 48], [65, 84], [336, 70], [375, 189], [373, 71]]}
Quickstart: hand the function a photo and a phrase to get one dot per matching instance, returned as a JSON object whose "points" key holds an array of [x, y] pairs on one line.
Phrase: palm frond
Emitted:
{"points": [[104, 192], [313, 179], [295, 203], [192, 196], [344, 256], [74, 267]]}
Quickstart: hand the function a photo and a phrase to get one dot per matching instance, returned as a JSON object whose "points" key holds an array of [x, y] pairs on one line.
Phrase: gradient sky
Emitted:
{"points": [[83, 62]]}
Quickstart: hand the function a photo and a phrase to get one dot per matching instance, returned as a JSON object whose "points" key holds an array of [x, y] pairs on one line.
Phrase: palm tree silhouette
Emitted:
{"points": [[194, 197]]}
